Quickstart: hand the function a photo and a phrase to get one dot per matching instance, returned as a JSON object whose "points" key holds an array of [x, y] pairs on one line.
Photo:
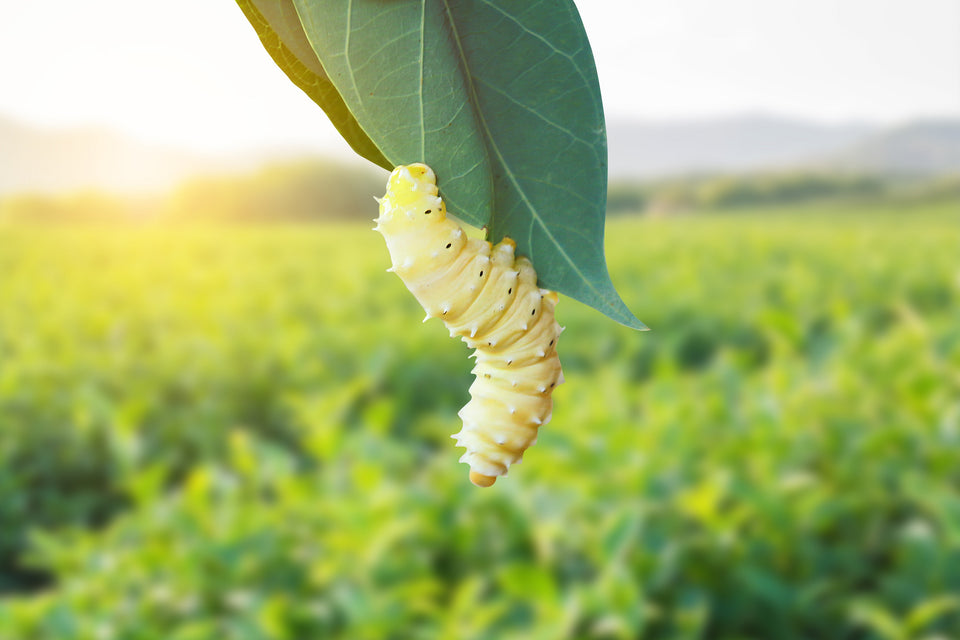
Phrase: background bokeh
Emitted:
{"points": [[220, 418], [216, 431]]}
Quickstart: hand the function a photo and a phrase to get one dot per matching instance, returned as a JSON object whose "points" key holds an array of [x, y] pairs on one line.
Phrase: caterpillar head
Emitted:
{"points": [[411, 199]]}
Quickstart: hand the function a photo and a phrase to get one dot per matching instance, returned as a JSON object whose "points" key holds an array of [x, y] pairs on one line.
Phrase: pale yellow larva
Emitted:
{"points": [[489, 298]]}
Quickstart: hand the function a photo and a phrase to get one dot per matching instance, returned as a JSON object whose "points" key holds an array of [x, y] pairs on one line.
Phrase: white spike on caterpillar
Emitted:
{"points": [[489, 298]]}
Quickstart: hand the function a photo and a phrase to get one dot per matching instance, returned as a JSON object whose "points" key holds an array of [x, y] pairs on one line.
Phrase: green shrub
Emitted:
{"points": [[244, 433]]}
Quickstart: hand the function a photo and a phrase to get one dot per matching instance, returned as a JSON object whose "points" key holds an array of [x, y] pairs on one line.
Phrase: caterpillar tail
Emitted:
{"points": [[490, 298]]}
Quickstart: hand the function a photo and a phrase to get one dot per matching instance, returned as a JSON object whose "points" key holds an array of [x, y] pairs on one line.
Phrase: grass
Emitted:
{"points": [[243, 432]]}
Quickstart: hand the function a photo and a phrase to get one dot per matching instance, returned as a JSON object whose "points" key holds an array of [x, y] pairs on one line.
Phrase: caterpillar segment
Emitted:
{"points": [[490, 298]]}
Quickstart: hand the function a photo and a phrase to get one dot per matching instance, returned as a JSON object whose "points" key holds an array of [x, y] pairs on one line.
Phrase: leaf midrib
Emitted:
{"points": [[423, 41], [509, 172]]}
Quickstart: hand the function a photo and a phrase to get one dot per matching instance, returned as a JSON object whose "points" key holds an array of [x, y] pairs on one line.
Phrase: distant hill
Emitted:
{"points": [[660, 149], [33, 159], [922, 148], [751, 143]]}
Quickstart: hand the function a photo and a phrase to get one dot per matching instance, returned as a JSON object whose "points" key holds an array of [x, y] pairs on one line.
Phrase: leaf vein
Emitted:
{"points": [[534, 112]]}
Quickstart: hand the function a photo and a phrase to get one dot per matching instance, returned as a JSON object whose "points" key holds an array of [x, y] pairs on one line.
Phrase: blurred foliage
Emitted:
{"points": [[243, 433], [712, 193], [299, 191], [86, 207], [294, 191], [315, 190]]}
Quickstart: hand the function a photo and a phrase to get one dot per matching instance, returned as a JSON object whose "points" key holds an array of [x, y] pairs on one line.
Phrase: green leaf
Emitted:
{"points": [[501, 99], [873, 616], [396, 68], [930, 610], [278, 26]]}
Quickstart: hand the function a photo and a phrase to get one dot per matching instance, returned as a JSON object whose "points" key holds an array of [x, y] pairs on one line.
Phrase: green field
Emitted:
{"points": [[242, 433]]}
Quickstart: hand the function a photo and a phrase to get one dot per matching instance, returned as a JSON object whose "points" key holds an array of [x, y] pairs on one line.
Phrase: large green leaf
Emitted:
{"points": [[396, 66], [501, 98], [278, 26]]}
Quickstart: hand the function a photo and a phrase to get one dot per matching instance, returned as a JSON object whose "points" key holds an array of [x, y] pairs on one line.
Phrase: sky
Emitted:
{"points": [[192, 74]]}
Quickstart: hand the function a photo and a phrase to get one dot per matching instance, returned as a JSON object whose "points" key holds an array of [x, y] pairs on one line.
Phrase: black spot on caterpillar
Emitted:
{"points": [[510, 397]]}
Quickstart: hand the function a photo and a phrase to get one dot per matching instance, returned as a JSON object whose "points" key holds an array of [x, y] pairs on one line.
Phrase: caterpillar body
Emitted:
{"points": [[488, 297]]}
